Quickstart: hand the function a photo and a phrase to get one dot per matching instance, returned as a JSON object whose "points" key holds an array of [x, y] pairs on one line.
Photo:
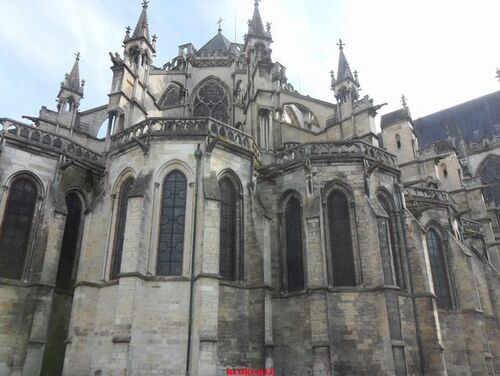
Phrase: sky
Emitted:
{"points": [[438, 53]]}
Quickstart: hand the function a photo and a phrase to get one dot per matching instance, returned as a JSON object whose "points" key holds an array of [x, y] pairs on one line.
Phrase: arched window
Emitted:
{"points": [[172, 97], [71, 238], [394, 241], [16, 227], [490, 176], [445, 170], [341, 249], [121, 217], [438, 268], [398, 141], [229, 232], [294, 256], [172, 224], [211, 100]]}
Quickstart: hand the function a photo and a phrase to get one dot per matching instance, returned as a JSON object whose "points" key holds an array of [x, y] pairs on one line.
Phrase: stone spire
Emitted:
{"points": [[256, 26], [343, 71], [72, 80], [142, 27]]}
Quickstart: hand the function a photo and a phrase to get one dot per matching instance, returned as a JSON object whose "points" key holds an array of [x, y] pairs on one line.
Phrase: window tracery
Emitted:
{"points": [[490, 175], [172, 97], [341, 247], [172, 224], [294, 253], [229, 232], [211, 100], [121, 218], [438, 269], [16, 227]]}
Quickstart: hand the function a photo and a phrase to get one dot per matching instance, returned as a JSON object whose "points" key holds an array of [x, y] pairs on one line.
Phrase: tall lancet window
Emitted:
{"points": [[71, 238], [264, 130], [342, 256], [121, 218], [211, 100], [439, 270], [172, 225], [229, 233], [16, 227], [294, 256]]}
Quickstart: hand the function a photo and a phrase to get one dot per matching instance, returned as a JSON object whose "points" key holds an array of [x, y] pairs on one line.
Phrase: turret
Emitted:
{"points": [[71, 91], [345, 86]]}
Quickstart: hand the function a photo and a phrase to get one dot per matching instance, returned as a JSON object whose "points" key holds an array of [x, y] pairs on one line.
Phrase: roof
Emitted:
{"points": [[142, 27], [471, 121], [218, 43], [403, 114], [343, 71]]}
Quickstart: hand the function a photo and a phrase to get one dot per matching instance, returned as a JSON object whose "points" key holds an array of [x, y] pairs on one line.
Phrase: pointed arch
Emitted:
{"points": [[210, 99], [172, 224], [172, 96], [340, 229], [385, 199], [17, 223], [489, 173], [436, 250], [126, 182], [293, 240], [70, 247], [231, 208]]}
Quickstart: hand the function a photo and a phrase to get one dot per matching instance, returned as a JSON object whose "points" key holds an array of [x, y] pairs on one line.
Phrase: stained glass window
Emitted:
{"points": [[490, 175], [172, 225], [211, 100], [438, 268], [294, 262], [70, 241], [341, 240], [16, 227], [228, 229], [121, 217]]}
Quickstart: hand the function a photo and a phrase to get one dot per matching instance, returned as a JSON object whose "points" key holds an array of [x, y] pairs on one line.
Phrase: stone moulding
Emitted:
{"points": [[346, 150], [185, 127], [33, 136]]}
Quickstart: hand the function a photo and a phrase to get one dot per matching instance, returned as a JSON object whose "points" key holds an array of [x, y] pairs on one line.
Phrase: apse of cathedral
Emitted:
{"points": [[228, 224]]}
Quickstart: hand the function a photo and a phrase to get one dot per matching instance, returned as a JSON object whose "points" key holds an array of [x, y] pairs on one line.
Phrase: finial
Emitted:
{"points": [[127, 32], [219, 22], [145, 3], [356, 75], [403, 101], [341, 44], [498, 74], [257, 2], [77, 56], [268, 26], [154, 38], [332, 74], [83, 83]]}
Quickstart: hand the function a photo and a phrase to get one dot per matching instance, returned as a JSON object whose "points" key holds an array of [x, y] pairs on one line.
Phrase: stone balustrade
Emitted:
{"points": [[347, 149], [11, 129], [192, 127]]}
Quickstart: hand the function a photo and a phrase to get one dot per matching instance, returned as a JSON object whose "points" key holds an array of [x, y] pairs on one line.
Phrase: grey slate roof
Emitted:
{"points": [[394, 117], [218, 43], [472, 120]]}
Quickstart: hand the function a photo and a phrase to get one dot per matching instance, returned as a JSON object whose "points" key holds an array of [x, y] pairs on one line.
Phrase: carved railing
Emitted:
{"points": [[418, 194], [34, 136], [345, 149], [207, 127]]}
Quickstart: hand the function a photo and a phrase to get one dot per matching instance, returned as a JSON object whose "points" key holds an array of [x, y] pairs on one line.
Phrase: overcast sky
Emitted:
{"points": [[438, 53]]}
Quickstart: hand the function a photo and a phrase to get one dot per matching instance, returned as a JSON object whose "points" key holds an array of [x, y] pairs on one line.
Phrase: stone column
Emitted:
{"points": [[206, 287]]}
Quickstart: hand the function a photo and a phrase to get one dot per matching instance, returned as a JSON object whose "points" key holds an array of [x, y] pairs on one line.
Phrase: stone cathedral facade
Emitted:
{"points": [[228, 221]]}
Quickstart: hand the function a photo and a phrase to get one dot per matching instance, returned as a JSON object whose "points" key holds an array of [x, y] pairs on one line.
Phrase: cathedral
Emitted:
{"points": [[225, 223]]}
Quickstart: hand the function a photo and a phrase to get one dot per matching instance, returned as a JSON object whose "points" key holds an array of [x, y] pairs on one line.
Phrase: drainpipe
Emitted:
{"points": [[198, 153]]}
